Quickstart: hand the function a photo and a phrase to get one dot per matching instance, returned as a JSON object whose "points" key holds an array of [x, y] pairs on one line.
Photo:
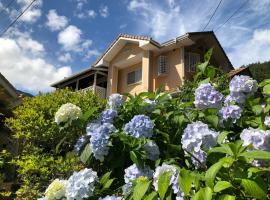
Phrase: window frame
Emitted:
{"points": [[164, 59], [135, 81], [188, 66]]}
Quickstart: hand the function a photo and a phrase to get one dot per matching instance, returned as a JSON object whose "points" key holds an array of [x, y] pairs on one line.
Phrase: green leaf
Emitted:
{"points": [[222, 185], [108, 184], [264, 82], [266, 89], [203, 194], [202, 66], [257, 154], [212, 119], [253, 189], [222, 136], [208, 54], [135, 159], [88, 113], [185, 181], [223, 149], [211, 173], [163, 184], [207, 80], [105, 178], [226, 197], [140, 189], [211, 72], [151, 196], [85, 155], [257, 109]]}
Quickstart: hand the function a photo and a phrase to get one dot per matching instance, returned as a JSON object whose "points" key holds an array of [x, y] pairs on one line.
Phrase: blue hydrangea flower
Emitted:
{"points": [[173, 180], [115, 101], [243, 84], [108, 115], [81, 184], [150, 105], [206, 96], [231, 112], [99, 140], [133, 172], [235, 98], [140, 126], [80, 143], [197, 139], [259, 140], [152, 150], [113, 197]]}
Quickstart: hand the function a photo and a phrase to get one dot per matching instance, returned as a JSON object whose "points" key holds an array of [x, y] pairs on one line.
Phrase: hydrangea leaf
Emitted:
{"points": [[253, 189], [222, 185], [266, 89], [140, 189], [151, 196], [85, 155], [226, 197], [163, 184], [264, 82], [213, 120], [257, 154], [212, 172], [185, 181], [222, 136], [105, 178], [203, 193]]}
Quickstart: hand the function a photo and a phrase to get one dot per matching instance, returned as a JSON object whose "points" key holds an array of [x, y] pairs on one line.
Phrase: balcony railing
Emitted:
{"points": [[100, 91]]}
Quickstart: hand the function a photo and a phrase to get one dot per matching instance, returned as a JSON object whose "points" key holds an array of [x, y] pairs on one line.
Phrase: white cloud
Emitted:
{"points": [[25, 72], [86, 14], [28, 44], [32, 14], [56, 22], [104, 11], [91, 53], [256, 49], [65, 57], [70, 37], [122, 26]]}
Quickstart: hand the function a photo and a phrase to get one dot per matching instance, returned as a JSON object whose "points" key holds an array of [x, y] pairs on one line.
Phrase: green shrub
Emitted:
{"points": [[44, 147]]}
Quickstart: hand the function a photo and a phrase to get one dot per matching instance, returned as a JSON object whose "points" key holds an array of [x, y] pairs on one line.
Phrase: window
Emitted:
{"points": [[134, 76], [191, 60], [162, 65]]}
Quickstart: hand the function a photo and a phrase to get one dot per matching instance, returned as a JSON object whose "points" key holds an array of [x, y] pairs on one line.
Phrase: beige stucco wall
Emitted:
{"points": [[174, 78], [123, 87], [117, 78]]}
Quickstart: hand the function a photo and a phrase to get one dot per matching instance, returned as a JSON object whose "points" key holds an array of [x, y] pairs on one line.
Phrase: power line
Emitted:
{"points": [[6, 6], [234, 13], [212, 15], [16, 19]]}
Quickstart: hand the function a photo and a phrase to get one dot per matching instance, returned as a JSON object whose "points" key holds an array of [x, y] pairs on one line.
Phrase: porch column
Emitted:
{"points": [[77, 85], [146, 71], [114, 79], [95, 83]]}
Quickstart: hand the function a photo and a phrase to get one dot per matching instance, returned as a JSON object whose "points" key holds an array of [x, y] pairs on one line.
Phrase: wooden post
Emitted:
{"points": [[77, 85], [95, 83]]}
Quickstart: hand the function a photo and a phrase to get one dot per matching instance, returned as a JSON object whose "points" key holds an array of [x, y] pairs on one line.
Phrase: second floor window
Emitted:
{"points": [[191, 60], [134, 76], [162, 65]]}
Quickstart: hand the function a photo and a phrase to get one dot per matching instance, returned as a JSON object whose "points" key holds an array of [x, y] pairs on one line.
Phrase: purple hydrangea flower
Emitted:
{"points": [[152, 150], [99, 140], [150, 105], [113, 197], [80, 143], [243, 84], [235, 97], [115, 101], [231, 112], [197, 139], [133, 172], [206, 96], [108, 115], [140, 126], [81, 184], [173, 180], [259, 140]]}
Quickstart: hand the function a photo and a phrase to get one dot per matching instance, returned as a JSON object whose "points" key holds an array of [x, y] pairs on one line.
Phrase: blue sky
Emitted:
{"points": [[57, 38]]}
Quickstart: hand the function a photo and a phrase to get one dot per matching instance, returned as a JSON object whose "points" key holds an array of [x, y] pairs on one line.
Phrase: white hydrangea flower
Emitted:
{"points": [[81, 184], [56, 190], [267, 121], [67, 113], [173, 180]]}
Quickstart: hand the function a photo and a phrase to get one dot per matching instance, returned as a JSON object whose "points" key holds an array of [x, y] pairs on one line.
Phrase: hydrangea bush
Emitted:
{"points": [[216, 145]]}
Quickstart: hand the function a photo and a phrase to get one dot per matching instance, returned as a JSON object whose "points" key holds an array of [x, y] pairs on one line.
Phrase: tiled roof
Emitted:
{"points": [[137, 37], [236, 71]]}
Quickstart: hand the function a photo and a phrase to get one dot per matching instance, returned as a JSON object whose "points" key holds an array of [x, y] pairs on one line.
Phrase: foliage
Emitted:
{"points": [[46, 149], [259, 71], [204, 152]]}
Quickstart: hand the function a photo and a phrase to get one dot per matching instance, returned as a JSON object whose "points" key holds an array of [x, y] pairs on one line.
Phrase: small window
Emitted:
{"points": [[162, 65], [134, 76], [191, 60]]}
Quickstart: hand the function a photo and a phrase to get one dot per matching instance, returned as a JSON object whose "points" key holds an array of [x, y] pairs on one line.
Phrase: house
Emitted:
{"points": [[134, 64], [240, 71]]}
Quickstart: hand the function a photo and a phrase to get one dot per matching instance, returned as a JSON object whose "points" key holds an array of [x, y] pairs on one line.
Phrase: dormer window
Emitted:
{"points": [[162, 65], [191, 60]]}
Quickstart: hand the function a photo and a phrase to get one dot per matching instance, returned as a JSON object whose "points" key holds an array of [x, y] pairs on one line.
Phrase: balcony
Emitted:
{"points": [[97, 90]]}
